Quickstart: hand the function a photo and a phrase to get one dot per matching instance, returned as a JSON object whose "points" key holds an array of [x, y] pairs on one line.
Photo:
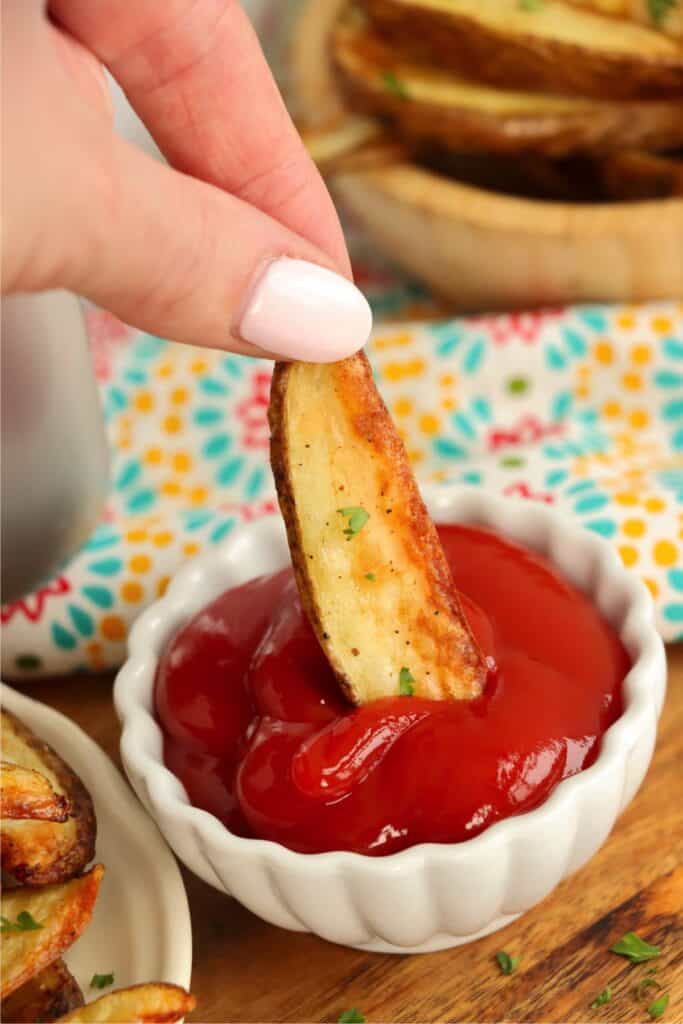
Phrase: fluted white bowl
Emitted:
{"points": [[429, 896]]}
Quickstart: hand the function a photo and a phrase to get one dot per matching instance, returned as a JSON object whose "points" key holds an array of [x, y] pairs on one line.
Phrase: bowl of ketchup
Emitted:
{"points": [[404, 824]]}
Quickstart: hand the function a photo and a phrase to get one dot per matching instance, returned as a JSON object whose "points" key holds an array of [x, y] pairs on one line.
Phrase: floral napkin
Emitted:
{"points": [[581, 408]]}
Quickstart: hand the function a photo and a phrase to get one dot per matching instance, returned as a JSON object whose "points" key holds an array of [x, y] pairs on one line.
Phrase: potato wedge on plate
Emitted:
{"points": [[667, 17], [35, 852], [46, 997], [553, 46], [38, 925], [438, 106], [371, 573], [26, 794], [139, 1004]]}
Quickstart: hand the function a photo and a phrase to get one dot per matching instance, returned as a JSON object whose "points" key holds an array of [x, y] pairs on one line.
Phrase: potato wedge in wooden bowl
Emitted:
{"points": [[427, 103], [478, 242], [552, 46], [667, 17]]}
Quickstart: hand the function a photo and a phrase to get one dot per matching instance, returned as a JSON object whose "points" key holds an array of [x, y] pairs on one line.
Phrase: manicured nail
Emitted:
{"points": [[301, 311]]}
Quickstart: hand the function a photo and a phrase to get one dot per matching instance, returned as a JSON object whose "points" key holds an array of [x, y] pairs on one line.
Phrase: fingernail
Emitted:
{"points": [[302, 311]]}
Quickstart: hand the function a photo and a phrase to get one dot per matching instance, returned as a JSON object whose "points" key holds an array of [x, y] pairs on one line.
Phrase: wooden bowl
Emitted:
{"points": [[480, 249]]}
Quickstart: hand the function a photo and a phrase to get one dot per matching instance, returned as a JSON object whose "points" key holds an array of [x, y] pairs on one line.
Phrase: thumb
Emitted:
{"points": [[181, 258]]}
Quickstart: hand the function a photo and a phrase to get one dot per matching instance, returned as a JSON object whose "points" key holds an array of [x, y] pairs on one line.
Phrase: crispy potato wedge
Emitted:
{"points": [[371, 573], [466, 116], [38, 853], [25, 793], [637, 175], [554, 47], [669, 20], [62, 911], [139, 1004], [46, 997]]}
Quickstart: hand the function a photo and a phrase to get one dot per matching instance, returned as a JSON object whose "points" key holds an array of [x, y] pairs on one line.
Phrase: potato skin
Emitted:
{"points": [[384, 599], [457, 38], [25, 794], [151, 1003], [481, 119], [46, 997], [36, 853]]}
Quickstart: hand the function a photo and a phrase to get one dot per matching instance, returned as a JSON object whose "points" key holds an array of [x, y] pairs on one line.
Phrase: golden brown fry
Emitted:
{"points": [[553, 47], [46, 997], [63, 911], [437, 106], [154, 1003], [38, 853], [25, 793], [669, 18], [377, 590], [637, 175]]}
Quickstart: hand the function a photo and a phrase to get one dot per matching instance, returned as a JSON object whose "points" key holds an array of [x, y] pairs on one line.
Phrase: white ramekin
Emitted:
{"points": [[430, 896]]}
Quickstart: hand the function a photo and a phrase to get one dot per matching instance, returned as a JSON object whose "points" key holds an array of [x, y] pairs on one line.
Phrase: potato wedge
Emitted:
{"points": [[428, 104], [638, 175], [25, 793], [38, 853], [669, 18], [46, 997], [62, 912], [371, 573], [139, 1004], [554, 47]]}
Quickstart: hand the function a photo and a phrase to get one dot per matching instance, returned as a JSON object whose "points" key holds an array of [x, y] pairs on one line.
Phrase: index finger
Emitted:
{"points": [[195, 73]]}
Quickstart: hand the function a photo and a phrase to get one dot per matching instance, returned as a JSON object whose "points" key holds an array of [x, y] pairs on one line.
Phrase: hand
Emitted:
{"points": [[190, 251]]}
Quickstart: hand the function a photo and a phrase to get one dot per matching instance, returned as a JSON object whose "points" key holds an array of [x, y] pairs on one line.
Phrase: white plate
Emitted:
{"points": [[140, 930]]}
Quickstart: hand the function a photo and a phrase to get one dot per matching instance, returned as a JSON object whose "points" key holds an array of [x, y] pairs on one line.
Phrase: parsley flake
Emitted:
{"points": [[660, 8], [634, 949], [394, 84], [370, 576], [356, 519], [604, 997], [24, 923], [508, 964], [657, 1008], [530, 5], [102, 980], [353, 1016], [405, 683]]}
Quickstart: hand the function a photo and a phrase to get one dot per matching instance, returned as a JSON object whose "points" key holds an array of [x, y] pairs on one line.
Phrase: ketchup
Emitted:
{"points": [[260, 734]]}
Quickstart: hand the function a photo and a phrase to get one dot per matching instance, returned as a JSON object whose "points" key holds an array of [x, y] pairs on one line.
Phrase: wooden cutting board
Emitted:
{"points": [[246, 970]]}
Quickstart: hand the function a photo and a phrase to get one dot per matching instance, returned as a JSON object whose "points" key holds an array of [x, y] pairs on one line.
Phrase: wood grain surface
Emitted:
{"points": [[246, 970]]}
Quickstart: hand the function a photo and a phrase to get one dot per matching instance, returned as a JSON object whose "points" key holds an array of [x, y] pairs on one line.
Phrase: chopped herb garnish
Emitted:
{"points": [[101, 980], [603, 998], [394, 84], [657, 1008], [645, 984], [660, 8], [634, 949], [356, 519], [530, 5], [23, 923], [405, 683], [508, 964], [370, 576], [353, 1016]]}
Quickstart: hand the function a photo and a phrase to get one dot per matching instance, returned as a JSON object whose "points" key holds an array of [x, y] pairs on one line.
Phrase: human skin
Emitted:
{"points": [[178, 249]]}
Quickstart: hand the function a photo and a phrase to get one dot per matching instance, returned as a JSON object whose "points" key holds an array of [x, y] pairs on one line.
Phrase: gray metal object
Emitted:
{"points": [[54, 449]]}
